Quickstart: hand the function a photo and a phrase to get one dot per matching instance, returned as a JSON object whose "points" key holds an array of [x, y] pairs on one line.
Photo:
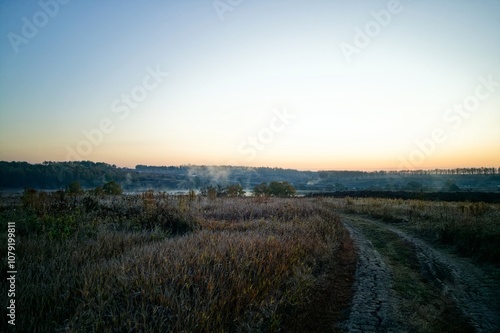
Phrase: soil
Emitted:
{"points": [[373, 302]]}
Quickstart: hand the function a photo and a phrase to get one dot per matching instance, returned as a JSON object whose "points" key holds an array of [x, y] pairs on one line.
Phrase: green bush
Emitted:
{"points": [[74, 188], [275, 189], [59, 227], [112, 188], [168, 219]]}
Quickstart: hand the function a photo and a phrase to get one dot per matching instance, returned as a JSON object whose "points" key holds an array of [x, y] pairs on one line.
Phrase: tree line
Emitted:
{"points": [[57, 175]]}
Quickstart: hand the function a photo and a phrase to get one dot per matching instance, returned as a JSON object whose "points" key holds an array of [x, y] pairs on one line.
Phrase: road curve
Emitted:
{"points": [[477, 297], [373, 305]]}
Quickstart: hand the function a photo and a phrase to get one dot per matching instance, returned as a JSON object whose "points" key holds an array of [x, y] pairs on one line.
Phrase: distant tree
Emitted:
{"points": [[281, 189], [74, 188], [29, 197], [261, 190], [275, 189], [112, 188], [235, 190], [97, 191]]}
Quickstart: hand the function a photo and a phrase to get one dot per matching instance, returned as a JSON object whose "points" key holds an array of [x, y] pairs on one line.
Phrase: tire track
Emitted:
{"points": [[373, 301], [477, 296]]}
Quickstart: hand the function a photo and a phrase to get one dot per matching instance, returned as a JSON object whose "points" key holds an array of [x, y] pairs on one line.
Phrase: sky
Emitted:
{"points": [[309, 85]]}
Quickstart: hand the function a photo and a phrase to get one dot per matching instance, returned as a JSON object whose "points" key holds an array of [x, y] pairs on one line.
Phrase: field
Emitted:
{"points": [[160, 263], [472, 228]]}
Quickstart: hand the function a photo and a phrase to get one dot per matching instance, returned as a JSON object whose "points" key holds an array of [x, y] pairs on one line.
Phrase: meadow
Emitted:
{"points": [[470, 228], [158, 263], [188, 263]]}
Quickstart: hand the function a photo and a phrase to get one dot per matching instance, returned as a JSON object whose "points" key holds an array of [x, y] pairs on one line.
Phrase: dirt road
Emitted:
{"points": [[373, 302], [376, 304]]}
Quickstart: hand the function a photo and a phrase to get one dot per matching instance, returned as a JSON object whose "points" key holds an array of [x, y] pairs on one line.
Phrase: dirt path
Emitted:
{"points": [[373, 300], [476, 296]]}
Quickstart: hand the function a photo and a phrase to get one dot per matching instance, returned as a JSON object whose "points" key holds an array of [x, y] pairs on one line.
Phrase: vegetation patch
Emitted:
{"points": [[472, 228], [236, 264]]}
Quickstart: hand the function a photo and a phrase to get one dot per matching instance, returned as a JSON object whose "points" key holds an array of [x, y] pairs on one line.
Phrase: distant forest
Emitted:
{"points": [[57, 175]]}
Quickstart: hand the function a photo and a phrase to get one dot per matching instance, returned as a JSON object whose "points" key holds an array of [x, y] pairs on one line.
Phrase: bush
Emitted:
{"points": [[112, 188], [235, 190], [275, 189], [168, 219], [59, 227], [74, 188]]}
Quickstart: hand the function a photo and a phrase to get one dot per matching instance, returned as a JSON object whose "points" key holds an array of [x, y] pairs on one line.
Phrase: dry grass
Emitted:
{"points": [[157, 263], [472, 228]]}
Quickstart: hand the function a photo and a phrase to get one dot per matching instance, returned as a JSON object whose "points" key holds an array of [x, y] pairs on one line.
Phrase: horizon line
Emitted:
{"points": [[269, 167]]}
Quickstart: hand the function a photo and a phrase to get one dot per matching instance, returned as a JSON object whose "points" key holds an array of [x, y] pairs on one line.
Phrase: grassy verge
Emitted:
{"points": [[473, 229], [156, 263]]}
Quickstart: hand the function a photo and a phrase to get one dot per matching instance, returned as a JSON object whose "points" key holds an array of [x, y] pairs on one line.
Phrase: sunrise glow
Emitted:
{"points": [[369, 85]]}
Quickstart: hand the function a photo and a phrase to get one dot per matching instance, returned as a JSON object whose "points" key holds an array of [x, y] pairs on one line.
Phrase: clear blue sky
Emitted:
{"points": [[300, 84]]}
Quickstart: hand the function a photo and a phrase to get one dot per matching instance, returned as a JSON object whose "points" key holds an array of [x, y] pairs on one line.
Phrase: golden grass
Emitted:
{"points": [[472, 228], [242, 265]]}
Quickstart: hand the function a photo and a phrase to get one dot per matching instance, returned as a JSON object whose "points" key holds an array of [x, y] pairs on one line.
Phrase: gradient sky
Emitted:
{"points": [[252, 82]]}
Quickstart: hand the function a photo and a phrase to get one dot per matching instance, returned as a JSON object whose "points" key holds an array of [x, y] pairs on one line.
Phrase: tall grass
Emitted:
{"points": [[157, 263], [473, 228]]}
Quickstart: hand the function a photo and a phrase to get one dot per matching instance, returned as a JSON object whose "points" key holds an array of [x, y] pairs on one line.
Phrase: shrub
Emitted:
{"points": [[74, 188], [168, 219], [275, 189], [112, 188]]}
